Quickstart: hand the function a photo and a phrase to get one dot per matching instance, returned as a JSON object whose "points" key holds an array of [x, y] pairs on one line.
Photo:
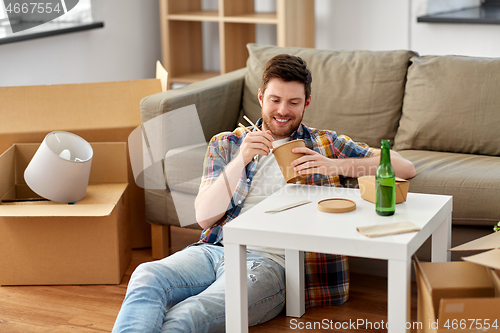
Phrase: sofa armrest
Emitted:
{"points": [[218, 101]]}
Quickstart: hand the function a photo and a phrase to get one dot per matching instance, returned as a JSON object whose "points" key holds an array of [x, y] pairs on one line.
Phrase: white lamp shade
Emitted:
{"points": [[60, 169]]}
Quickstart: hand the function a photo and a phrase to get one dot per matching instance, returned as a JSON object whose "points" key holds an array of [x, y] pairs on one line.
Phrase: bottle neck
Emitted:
{"points": [[385, 155]]}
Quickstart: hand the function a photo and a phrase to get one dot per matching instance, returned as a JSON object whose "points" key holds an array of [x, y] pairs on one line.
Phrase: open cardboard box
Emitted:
{"points": [[45, 243], [367, 188], [98, 112], [466, 293]]}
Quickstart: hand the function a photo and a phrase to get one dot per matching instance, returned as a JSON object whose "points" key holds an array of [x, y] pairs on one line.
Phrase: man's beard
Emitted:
{"points": [[281, 132]]}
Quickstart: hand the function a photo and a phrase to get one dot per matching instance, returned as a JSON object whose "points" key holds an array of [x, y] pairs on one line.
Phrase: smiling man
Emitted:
{"points": [[239, 172], [285, 103]]}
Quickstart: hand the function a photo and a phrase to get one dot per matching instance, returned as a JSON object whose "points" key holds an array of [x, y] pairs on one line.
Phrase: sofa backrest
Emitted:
{"points": [[355, 93], [451, 104]]}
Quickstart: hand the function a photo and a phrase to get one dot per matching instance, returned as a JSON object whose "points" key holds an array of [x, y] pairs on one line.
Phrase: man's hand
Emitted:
{"points": [[210, 210], [256, 143], [314, 162]]}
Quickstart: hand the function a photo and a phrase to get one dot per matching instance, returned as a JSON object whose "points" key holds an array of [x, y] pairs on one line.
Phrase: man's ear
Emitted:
{"points": [[259, 95], [308, 102]]}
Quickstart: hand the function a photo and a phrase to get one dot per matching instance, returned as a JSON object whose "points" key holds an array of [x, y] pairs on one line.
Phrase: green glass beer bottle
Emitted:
{"points": [[385, 183]]}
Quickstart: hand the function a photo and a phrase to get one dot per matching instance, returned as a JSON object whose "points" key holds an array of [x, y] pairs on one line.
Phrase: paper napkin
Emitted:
{"points": [[388, 229], [296, 204]]}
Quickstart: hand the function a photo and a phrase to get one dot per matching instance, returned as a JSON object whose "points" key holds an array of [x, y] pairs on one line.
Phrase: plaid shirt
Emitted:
{"points": [[327, 279]]}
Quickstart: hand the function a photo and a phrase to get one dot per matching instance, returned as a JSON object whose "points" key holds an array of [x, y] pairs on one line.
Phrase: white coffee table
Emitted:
{"points": [[305, 228]]}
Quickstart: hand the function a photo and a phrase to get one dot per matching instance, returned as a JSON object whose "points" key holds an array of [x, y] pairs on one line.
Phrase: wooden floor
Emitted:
{"points": [[90, 309]]}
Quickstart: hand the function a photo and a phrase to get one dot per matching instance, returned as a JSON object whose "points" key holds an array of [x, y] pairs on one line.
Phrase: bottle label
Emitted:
{"points": [[385, 186], [385, 195]]}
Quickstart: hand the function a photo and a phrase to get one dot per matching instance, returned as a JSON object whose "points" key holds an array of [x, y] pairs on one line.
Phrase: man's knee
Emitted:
{"points": [[146, 274], [266, 271], [266, 289], [199, 313]]}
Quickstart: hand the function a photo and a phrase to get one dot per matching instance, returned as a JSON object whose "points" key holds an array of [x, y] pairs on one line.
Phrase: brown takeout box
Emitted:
{"points": [[47, 243], [367, 188], [463, 293], [98, 112]]}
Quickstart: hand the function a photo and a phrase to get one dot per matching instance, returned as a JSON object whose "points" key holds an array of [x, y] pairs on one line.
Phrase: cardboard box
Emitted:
{"points": [[463, 295], [367, 188], [98, 112], [45, 243]]}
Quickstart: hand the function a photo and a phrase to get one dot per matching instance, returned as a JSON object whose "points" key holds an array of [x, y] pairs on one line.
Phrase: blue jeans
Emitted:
{"points": [[185, 292]]}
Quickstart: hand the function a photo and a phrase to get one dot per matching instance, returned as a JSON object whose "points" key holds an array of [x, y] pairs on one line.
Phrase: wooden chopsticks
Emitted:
{"points": [[250, 122], [244, 127], [254, 126]]}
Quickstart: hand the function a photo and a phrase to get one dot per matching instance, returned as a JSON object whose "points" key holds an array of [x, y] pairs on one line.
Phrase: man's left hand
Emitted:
{"points": [[314, 162]]}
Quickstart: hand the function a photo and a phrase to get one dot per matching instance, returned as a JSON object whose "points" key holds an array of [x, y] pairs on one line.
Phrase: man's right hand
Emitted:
{"points": [[256, 143]]}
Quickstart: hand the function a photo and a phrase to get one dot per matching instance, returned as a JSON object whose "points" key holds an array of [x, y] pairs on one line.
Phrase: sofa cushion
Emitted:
{"points": [[452, 104], [472, 180], [356, 93]]}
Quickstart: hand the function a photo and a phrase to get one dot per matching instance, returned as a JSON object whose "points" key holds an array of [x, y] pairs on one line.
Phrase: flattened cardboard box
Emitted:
{"points": [[47, 243], [367, 188], [463, 293], [98, 112]]}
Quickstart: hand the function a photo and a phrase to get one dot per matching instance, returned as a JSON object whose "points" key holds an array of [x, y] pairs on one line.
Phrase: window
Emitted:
{"points": [[81, 13], [31, 24], [488, 12], [3, 15]]}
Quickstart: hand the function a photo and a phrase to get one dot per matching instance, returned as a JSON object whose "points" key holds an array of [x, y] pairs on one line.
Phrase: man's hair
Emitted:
{"points": [[287, 68]]}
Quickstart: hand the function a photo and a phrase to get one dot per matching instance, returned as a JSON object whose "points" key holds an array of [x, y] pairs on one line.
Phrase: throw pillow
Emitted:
{"points": [[451, 104], [356, 93]]}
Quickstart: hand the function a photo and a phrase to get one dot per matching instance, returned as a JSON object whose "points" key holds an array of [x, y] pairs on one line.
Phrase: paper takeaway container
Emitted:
{"points": [[367, 188]]}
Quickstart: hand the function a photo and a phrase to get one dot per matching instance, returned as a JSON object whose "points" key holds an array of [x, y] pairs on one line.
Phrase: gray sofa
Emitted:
{"points": [[440, 112]]}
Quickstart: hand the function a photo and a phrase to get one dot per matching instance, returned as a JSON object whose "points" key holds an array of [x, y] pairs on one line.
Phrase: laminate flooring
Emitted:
{"points": [[93, 308]]}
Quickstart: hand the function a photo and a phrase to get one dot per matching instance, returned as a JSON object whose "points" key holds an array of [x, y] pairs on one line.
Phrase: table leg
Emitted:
{"points": [[235, 258], [441, 242], [399, 295], [295, 298]]}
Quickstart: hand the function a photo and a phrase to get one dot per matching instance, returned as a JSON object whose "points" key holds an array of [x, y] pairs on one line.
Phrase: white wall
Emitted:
{"points": [[129, 44], [362, 24], [125, 49], [392, 24], [463, 39], [340, 25]]}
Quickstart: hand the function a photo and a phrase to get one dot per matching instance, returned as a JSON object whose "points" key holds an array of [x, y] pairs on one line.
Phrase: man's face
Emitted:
{"points": [[283, 105]]}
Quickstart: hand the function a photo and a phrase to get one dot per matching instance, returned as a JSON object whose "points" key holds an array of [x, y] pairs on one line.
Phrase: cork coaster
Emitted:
{"points": [[336, 205]]}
